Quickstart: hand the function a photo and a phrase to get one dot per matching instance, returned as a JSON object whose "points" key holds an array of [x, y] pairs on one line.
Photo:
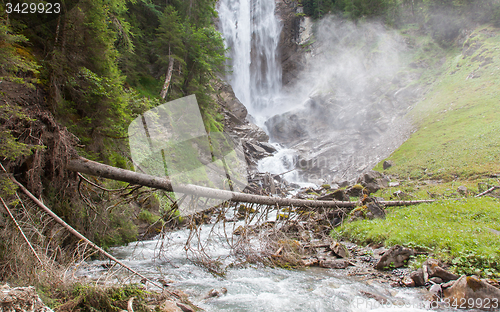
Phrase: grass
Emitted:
{"points": [[457, 231], [458, 121], [456, 143]]}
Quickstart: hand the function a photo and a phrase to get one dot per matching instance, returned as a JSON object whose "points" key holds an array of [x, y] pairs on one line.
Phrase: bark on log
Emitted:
{"points": [[164, 91], [97, 169]]}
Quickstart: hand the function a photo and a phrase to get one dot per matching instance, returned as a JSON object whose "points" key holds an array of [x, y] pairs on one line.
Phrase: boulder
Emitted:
{"points": [[408, 281], [334, 263], [168, 306], [463, 190], [185, 307], [216, 293], [434, 269], [395, 257], [418, 277], [373, 181], [470, 292], [355, 190], [339, 195], [387, 164], [268, 147], [375, 211], [339, 250]]}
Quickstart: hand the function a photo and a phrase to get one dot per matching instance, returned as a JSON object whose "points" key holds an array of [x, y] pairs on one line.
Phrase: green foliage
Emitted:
{"points": [[13, 56], [456, 231], [148, 217], [86, 297]]}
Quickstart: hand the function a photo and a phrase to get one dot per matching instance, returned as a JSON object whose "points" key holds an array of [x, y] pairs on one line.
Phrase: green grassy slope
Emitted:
{"points": [[456, 143], [458, 121]]}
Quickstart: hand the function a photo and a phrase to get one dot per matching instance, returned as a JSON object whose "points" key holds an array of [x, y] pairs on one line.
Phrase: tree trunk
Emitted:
{"points": [[164, 91], [96, 169]]}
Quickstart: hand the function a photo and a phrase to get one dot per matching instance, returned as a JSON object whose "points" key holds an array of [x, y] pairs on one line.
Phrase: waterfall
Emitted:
{"points": [[252, 33]]}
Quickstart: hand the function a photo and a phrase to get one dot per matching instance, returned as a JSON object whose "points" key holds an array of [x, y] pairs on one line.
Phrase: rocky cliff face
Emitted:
{"points": [[353, 92]]}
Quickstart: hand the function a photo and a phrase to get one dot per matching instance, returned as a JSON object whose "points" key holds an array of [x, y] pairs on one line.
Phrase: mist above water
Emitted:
{"points": [[343, 113]]}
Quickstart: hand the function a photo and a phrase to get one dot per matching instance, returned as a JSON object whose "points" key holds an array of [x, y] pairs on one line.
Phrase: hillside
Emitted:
{"points": [[458, 122]]}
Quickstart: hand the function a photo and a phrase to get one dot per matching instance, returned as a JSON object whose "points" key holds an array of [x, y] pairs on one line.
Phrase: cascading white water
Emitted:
{"points": [[252, 33]]}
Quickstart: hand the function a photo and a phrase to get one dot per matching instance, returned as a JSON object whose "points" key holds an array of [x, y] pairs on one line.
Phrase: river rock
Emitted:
{"points": [[185, 307], [334, 263], [395, 257], [418, 277], [339, 250], [216, 293], [478, 291], [408, 281], [267, 147], [252, 132], [434, 269], [168, 306]]}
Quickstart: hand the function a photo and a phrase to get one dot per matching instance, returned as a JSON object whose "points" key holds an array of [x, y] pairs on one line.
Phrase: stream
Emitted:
{"points": [[250, 287]]}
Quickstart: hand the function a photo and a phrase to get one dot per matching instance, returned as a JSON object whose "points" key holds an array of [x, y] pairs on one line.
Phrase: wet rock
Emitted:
{"points": [[387, 164], [436, 280], [408, 281], [216, 293], [343, 184], [268, 147], [379, 298], [252, 132], [395, 257], [334, 263], [339, 250], [470, 292], [185, 307], [418, 277], [434, 269], [168, 306], [436, 290]]}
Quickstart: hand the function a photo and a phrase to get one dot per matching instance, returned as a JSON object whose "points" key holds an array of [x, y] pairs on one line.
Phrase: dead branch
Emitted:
{"points": [[491, 189], [77, 234], [97, 169], [20, 230]]}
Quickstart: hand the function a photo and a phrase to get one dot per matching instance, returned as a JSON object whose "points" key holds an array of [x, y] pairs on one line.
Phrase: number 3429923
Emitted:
{"points": [[32, 8]]}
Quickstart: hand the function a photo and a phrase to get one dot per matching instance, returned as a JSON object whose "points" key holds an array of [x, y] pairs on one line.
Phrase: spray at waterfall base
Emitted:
{"points": [[319, 170]]}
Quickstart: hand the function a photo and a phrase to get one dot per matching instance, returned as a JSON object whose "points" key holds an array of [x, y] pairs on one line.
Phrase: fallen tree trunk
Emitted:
{"points": [[97, 169]]}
